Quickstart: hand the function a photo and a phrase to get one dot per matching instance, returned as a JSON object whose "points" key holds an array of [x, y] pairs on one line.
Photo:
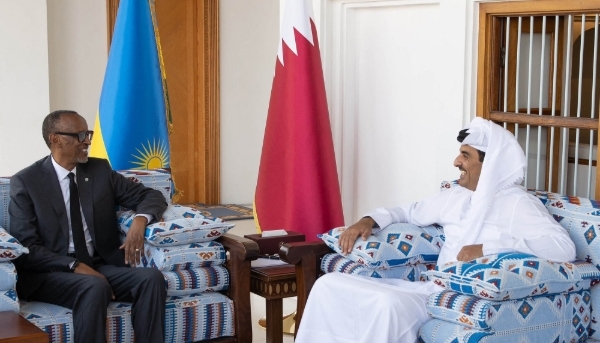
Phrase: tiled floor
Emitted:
{"points": [[246, 227]]}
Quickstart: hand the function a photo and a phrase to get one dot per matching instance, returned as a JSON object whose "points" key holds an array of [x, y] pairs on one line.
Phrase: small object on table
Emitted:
{"points": [[269, 245]]}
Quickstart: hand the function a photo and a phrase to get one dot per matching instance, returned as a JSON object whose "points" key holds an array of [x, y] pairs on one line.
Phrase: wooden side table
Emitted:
{"points": [[16, 329], [274, 283]]}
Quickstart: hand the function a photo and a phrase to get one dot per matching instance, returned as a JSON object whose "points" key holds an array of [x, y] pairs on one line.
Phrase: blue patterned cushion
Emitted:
{"points": [[187, 256], [448, 184], [337, 263], [501, 316], [581, 218], [396, 245], [198, 317], [514, 276], [119, 327], [187, 319], [181, 225], [9, 301], [197, 280], [57, 321], [558, 318], [440, 331], [159, 179], [4, 199], [54, 320], [595, 326], [8, 276], [10, 248]]}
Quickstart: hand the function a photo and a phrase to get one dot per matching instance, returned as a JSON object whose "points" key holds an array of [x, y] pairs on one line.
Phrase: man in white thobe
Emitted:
{"points": [[489, 213]]}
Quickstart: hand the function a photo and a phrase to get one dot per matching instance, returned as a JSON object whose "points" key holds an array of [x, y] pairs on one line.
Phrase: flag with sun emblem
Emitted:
{"points": [[133, 119]]}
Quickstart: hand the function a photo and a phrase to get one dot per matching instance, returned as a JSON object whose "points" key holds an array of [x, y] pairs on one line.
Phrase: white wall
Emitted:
{"points": [[77, 46], [53, 57], [395, 76], [421, 93], [249, 39], [24, 88]]}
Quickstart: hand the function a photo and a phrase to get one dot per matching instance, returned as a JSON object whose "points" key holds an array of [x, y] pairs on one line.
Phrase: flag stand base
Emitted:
{"points": [[289, 323]]}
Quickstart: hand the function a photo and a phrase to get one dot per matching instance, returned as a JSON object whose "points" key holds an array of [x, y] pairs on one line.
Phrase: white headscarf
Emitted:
{"points": [[504, 166]]}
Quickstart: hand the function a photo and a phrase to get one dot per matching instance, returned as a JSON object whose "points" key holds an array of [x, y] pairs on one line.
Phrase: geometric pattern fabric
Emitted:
{"points": [[197, 280], [186, 256], [514, 276], [8, 281], [396, 245], [187, 319], [159, 179], [504, 316], [4, 200], [337, 263], [183, 230], [558, 318], [10, 248], [581, 218]]}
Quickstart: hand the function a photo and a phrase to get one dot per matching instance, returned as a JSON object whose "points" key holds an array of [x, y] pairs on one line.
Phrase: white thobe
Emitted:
{"points": [[349, 308]]}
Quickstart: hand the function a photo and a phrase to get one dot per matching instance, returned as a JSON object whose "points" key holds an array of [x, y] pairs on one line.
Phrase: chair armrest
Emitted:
{"points": [[307, 258], [294, 253], [239, 248], [241, 252]]}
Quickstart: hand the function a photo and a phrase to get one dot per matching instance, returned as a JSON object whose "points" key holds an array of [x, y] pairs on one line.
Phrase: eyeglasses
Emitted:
{"points": [[80, 135]]}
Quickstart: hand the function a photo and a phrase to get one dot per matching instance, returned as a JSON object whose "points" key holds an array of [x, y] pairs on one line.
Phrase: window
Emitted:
{"points": [[537, 76]]}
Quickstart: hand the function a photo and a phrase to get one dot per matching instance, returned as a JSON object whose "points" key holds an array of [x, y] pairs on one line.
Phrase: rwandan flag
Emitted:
{"points": [[131, 125]]}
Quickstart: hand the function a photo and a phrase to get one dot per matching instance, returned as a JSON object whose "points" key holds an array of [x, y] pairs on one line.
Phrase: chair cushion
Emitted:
{"points": [[396, 245], [4, 200], [197, 280], [557, 318], [581, 218], [57, 321], [186, 225], [9, 301], [514, 276], [212, 310], [595, 326], [501, 316], [337, 263], [10, 248], [187, 256], [159, 179], [8, 276], [54, 320]]}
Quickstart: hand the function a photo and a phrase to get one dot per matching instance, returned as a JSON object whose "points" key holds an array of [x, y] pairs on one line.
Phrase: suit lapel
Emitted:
{"points": [[84, 183], [52, 188]]}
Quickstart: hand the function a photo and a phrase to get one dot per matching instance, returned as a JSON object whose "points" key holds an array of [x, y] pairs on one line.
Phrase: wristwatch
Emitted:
{"points": [[73, 265]]}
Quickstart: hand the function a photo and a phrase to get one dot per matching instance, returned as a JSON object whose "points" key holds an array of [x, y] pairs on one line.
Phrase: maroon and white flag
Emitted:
{"points": [[297, 186]]}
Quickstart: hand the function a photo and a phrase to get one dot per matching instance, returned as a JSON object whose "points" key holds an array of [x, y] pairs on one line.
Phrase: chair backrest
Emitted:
{"points": [[159, 179]]}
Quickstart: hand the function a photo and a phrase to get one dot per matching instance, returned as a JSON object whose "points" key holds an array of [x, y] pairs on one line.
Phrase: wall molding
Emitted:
{"points": [[337, 31]]}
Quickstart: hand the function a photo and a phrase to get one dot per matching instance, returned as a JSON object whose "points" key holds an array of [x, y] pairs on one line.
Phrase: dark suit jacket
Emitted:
{"points": [[38, 216]]}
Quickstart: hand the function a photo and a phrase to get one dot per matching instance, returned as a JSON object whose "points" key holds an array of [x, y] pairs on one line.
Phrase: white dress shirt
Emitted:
{"points": [[63, 179]]}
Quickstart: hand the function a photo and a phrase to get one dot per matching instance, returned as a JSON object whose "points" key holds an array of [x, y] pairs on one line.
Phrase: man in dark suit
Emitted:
{"points": [[68, 223]]}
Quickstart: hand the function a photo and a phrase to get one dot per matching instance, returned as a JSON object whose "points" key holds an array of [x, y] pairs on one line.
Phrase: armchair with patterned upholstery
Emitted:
{"points": [[502, 298], [207, 281]]}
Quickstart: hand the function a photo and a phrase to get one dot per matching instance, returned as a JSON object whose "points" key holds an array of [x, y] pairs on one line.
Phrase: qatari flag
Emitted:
{"points": [[297, 186]]}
